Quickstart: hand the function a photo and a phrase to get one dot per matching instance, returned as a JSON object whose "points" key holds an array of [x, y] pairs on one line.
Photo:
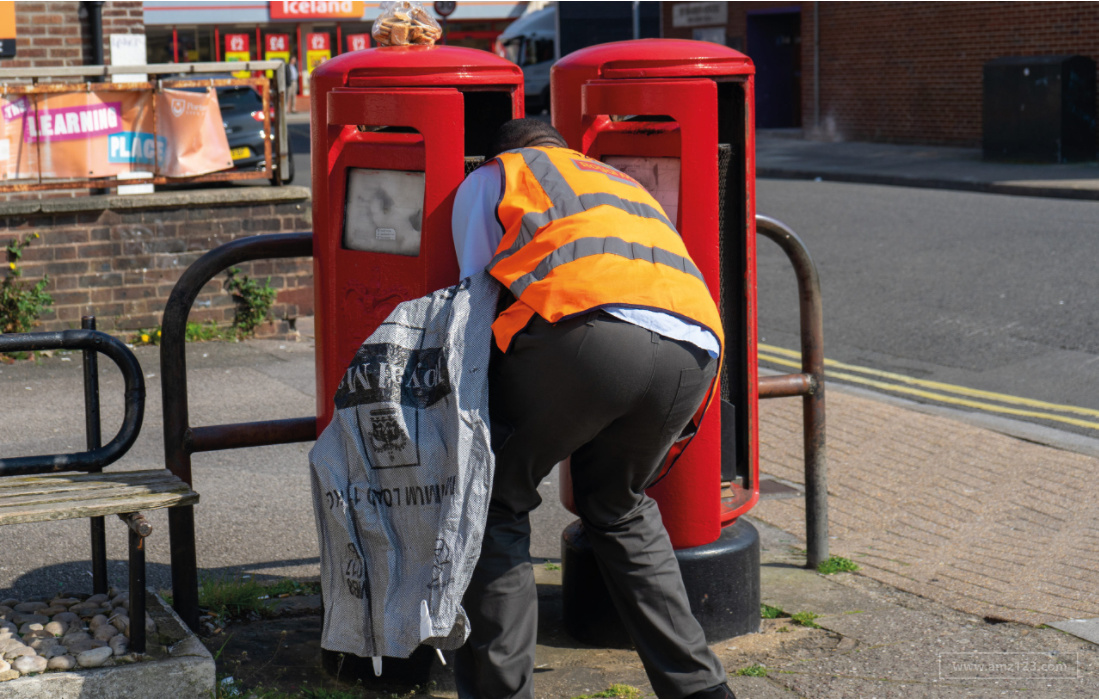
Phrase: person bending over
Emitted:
{"points": [[606, 352]]}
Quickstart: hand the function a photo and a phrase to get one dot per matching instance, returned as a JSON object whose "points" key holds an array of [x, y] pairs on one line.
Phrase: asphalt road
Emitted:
{"points": [[299, 147], [984, 291]]}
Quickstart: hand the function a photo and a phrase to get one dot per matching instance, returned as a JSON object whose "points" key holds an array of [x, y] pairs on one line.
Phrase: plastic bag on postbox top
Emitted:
{"points": [[405, 23], [401, 477]]}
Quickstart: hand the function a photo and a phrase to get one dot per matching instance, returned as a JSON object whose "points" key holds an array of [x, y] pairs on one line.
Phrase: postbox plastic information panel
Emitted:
{"points": [[385, 211], [660, 176]]}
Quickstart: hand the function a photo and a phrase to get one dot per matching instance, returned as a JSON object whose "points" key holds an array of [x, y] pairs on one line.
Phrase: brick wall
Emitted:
{"points": [[912, 72], [59, 33], [120, 264]]}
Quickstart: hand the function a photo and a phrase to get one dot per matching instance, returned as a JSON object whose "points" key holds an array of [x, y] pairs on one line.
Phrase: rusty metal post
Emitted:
{"points": [[809, 384], [179, 439]]}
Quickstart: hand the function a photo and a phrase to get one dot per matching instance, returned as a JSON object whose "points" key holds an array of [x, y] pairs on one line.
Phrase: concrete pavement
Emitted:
{"points": [[783, 153]]}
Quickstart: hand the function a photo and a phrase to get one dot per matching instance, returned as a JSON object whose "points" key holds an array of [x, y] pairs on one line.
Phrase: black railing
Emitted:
{"points": [[180, 439], [94, 458]]}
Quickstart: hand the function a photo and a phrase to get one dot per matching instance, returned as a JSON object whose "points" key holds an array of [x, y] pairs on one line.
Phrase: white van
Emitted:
{"points": [[529, 43]]}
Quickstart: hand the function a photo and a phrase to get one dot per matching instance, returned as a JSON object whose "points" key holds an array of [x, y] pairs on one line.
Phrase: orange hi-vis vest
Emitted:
{"points": [[579, 235]]}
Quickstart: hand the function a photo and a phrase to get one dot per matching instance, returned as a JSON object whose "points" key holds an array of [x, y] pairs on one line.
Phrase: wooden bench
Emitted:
{"points": [[49, 498], [31, 490], [53, 497]]}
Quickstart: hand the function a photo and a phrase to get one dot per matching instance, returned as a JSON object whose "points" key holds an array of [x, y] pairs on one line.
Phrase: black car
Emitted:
{"points": [[242, 116]]}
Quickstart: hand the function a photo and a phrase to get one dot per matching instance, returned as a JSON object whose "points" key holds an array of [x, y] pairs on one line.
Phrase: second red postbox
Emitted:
{"points": [[678, 117], [394, 132]]}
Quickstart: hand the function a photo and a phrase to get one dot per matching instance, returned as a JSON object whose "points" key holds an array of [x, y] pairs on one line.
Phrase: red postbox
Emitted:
{"points": [[678, 116], [394, 131]]}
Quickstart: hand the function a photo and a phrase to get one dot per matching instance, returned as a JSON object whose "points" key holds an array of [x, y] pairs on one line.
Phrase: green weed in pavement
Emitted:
{"points": [[615, 691], [756, 670], [768, 612], [805, 619], [836, 564], [231, 688]]}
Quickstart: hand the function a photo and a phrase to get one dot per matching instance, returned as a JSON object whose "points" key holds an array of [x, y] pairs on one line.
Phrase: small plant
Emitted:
{"points": [[768, 612], [756, 670], [207, 332], [253, 301], [806, 619], [550, 565], [320, 693], [615, 691], [233, 597], [290, 588], [836, 564], [21, 304], [145, 336]]}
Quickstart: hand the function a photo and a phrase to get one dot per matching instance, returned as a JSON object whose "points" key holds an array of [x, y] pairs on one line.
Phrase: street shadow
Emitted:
{"points": [[76, 576]]}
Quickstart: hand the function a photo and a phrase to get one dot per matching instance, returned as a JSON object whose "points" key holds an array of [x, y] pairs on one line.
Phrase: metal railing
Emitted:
{"points": [[93, 342], [47, 81], [180, 439], [809, 384]]}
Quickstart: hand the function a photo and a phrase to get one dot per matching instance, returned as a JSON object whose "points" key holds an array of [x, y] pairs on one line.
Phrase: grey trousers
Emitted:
{"points": [[614, 396]]}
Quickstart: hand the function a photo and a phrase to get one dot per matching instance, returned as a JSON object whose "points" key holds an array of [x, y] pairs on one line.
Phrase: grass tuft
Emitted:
{"points": [[837, 564], [768, 612], [756, 670], [806, 619]]}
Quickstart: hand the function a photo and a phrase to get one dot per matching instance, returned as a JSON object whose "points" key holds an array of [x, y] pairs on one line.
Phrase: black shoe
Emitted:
{"points": [[721, 691]]}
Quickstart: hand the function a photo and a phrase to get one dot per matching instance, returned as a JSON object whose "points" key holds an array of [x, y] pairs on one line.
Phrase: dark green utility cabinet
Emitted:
{"points": [[1039, 109]]}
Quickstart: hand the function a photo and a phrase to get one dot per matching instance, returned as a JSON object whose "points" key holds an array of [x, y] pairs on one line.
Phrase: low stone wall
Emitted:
{"points": [[118, 257]]}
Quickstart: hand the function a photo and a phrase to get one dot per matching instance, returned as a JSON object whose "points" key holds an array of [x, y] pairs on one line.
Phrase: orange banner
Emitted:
{"points": [[102, 134], [195, 141]]}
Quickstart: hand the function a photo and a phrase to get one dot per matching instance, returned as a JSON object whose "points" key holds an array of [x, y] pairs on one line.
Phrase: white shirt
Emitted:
{"points": [[477, 233]]}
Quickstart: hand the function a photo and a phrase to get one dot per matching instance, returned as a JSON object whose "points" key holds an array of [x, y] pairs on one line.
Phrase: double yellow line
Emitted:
{"points": [[936, 391]]}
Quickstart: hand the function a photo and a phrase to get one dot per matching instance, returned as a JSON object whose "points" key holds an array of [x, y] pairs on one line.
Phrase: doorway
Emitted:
{"points": [[774, 45]]}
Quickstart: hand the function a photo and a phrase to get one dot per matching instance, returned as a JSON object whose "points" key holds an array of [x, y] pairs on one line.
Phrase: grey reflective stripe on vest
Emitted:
{"points": [[587, 247], [566, 202]]}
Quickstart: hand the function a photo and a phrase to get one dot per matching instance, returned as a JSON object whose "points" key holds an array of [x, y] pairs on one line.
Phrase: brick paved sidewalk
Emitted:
{"points": [[982, 522]]}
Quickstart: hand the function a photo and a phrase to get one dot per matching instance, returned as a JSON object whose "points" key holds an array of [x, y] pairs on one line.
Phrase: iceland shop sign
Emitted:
{"points": [[317, 9]]}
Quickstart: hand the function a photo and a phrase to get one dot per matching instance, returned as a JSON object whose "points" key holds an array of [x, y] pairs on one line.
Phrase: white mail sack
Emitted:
{"points": [[402, 475]]}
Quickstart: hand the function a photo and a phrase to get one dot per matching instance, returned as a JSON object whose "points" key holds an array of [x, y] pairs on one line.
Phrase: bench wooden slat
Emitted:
{"points": [[98, 508], [84, 485], [76, 496], [68, 496], [16, 482]]}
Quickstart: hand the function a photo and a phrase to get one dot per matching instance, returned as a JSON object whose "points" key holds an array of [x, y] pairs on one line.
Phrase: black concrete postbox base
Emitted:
{"points": [[722, 581]]}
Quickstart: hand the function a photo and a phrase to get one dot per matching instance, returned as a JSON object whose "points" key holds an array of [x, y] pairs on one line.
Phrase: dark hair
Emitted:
{"points": [[520, 133]]}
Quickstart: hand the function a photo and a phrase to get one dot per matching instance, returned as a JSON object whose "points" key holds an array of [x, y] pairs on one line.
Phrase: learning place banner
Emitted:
{"points": [[81, 135]]}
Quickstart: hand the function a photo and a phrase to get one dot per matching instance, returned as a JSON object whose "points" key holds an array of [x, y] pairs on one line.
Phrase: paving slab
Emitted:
{"points": [[1087, 629]]}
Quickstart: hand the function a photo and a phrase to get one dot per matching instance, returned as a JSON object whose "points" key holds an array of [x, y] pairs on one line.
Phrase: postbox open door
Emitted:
{"points": [[396, 160], [661, 131]]}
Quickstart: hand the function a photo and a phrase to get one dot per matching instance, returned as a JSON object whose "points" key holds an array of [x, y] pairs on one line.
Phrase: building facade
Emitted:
{"points": [[53, 34], [304, 31], [904, 72]]}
